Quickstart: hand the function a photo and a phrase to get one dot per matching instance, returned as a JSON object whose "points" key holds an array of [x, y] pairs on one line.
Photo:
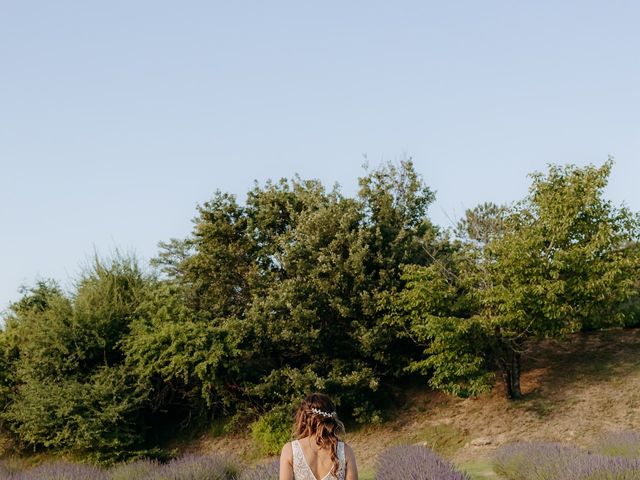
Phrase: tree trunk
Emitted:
{"points": [[516, 392], [510, 365]]}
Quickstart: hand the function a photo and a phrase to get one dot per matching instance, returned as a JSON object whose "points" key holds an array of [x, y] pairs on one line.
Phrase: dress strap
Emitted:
{"points": [[301, 470], [298, 458], [342, 460]]}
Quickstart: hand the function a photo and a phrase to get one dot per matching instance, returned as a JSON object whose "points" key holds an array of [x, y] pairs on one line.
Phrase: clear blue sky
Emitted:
{"points": [[118, 117]]}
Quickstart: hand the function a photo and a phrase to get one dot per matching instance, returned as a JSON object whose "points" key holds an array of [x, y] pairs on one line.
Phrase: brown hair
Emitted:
{"points": [[325, 428]]}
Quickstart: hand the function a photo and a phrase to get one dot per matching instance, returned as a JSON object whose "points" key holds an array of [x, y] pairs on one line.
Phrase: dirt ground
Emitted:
{"points": [[574, 389]]}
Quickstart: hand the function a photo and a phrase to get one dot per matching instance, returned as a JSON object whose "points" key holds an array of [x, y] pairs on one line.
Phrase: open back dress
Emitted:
{"points": [[302, 470]]}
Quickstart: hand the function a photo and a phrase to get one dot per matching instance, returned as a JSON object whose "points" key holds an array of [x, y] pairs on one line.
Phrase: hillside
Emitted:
{"points": [[575, 389]]}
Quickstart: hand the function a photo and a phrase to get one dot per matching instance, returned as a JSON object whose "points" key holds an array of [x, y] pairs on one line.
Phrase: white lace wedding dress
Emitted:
{"points": [[302, 471]]}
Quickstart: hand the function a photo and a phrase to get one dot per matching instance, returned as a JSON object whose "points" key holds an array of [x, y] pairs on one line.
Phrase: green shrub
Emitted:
{"points": [[96, 416], [272, 431], [69, 389]]}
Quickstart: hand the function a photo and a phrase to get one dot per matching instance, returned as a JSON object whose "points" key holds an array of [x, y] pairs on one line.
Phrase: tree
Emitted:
{"points": [[300, 277], [68, 387], [182, 360], [563, 259], [483, 223]]}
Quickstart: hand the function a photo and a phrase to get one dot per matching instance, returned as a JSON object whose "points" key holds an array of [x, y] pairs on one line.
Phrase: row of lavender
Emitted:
{"points": [[615, 457], [188, 467], [402, 462]]}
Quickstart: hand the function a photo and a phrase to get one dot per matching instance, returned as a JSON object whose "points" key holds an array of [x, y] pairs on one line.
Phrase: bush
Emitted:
{"points": [[619, 444], [266, 471], [272, 431], [193, 467], [70, 390], [138, 470], [415, 462], [61, 471], [87, 416], [187, 467]]}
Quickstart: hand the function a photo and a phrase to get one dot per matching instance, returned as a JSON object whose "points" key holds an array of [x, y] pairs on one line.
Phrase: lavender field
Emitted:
{"points": [[188, 467], [613, 456], [401, 462]]}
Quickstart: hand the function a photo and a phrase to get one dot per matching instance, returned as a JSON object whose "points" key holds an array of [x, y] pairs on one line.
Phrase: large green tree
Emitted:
{"points": [[561, 260], [298, 279]]}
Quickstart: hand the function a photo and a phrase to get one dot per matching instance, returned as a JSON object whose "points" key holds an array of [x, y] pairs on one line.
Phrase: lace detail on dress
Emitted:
{"points": [[302, 471]]}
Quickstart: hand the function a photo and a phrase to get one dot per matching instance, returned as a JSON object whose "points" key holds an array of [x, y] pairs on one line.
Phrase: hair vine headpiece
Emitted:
{"points": [[317, 411]]}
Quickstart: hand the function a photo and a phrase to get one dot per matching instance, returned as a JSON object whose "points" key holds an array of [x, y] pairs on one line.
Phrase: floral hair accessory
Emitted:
{"points": [[317, 411]]}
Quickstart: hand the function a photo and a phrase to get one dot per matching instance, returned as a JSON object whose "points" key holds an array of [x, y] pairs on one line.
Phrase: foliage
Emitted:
{"points": [[69, 388], [83, 416], [294, 283], [271, 431], [561, 260], [179, 358]]}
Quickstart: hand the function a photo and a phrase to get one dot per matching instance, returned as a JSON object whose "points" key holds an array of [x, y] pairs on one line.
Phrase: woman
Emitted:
{"points": [[317, 453]]}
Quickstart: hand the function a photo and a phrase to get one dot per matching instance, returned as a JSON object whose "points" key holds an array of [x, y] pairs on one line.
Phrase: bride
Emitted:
{"points": [[317, 453]]}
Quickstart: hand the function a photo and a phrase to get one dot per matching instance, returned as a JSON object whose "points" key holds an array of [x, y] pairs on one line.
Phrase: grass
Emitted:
{"points": [[442, 438], [480, 469], [218, 427], [366, 474], [536, 404]]}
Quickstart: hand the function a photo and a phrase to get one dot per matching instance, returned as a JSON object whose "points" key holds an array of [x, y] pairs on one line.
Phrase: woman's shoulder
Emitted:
{"points": [[287, 450], [348, 451]]}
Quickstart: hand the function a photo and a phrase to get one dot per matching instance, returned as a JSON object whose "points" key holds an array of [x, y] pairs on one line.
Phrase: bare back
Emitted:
{"points": [[303, 460], [313, 463]]}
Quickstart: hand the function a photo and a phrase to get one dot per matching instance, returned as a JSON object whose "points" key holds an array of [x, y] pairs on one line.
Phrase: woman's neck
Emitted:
{"points": [[312, 441]]}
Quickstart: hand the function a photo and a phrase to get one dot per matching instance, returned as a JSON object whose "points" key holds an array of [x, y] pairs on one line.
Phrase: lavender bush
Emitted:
{"points": [[60, 471], [535, 460], [266, 471], [138, 470], [194, 467], [619, 444], [413, 462], [188, 467], [552, 461]]}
